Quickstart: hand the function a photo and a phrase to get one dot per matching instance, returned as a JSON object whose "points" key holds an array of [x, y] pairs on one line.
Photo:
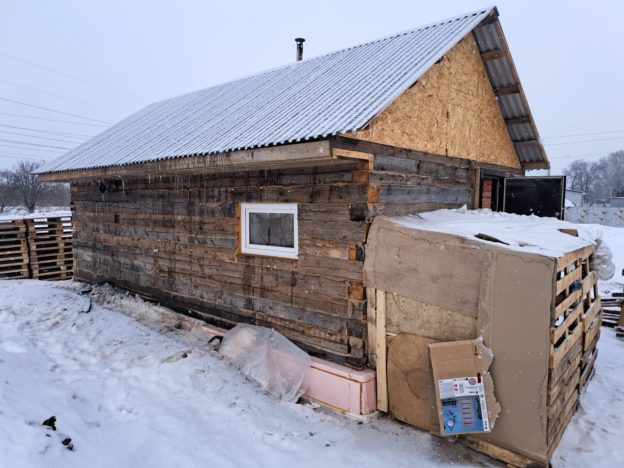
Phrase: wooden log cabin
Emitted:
{"points": [[251, 201]]}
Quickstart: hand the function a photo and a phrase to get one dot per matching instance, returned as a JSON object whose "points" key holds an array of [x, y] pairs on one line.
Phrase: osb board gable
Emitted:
{"points": [[451, 110]]}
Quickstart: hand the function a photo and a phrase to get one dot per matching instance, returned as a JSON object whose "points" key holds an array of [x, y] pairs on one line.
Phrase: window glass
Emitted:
{"points": [[276, 229], [269, 229]]}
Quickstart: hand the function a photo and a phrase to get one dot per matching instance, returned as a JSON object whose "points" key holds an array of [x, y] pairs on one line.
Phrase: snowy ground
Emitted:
{"points": [[17, 212], [135, 385]]}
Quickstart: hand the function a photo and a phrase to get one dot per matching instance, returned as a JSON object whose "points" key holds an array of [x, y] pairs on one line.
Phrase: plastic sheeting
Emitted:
{"points": [[266, 356], [602, 261]]}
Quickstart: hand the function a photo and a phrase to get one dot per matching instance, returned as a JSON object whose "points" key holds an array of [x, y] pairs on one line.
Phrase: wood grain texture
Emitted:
{"points": [[450, 110], [175, 239]]}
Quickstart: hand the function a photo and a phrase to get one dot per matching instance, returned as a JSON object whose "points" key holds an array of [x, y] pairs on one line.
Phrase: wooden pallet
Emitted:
{"points": [[575, 329], [13, 250], [499, 453], [574, 334], [50, 244]]}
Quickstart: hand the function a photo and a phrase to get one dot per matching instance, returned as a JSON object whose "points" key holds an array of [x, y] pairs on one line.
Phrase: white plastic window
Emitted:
{"points": [[269, 229]]}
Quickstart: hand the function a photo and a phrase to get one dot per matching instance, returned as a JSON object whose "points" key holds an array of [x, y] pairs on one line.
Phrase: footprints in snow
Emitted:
{"points": [[177, 356], [288, 442]]}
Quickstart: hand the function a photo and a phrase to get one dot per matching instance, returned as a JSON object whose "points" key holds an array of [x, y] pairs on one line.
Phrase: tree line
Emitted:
{"points": [[600, 180], [21, 187]]}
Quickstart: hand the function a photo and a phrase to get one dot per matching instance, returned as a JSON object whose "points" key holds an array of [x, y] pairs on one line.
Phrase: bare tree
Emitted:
{"points": [[580, 174], [614, 173], [600, 180], [55, 195], [27, 184], [6, 190]]}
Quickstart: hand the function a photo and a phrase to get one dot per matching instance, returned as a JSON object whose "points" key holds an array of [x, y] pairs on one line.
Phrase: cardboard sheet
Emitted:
{"points": [[411, 396], [436, 276], [463, 386]]}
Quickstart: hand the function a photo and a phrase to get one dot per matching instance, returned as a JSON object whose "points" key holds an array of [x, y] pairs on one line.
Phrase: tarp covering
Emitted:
{"points": [[266, 356]]}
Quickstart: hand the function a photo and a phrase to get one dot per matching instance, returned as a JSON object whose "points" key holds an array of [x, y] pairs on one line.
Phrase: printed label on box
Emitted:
{"points": [[463, 405]]}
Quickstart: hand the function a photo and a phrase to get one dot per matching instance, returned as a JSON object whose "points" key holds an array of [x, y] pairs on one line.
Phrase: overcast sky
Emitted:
{"points": [[126, 54]]}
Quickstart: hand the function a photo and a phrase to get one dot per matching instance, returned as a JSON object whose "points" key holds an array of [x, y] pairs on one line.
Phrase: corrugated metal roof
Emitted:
{"points": [[334, 93], [513, 106], [326, 95]]}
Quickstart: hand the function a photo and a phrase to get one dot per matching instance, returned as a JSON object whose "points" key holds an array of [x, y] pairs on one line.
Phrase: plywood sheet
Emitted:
{"points": [[451, 111], [410, 386]]}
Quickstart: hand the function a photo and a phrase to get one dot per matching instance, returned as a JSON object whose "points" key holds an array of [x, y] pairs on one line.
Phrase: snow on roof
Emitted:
{"points": [[515, 232], [326, 95]]}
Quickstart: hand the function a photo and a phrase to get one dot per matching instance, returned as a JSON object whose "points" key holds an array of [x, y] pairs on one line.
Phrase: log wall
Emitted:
{"points": [[175, 240]]}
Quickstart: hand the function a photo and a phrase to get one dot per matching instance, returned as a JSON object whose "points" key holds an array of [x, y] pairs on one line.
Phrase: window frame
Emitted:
{"points": [[269, 250]]}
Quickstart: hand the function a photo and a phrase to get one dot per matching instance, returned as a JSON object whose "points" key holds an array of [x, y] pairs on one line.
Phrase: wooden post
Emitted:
{"points": [[381, 352]]}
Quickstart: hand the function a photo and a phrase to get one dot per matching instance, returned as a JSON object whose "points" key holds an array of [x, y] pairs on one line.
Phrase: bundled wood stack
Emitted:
{"points": [[613, 311], [13, 250], [50, 245]]}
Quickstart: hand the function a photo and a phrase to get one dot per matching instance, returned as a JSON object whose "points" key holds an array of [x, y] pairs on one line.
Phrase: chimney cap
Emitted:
{"points": [[299, 40]]}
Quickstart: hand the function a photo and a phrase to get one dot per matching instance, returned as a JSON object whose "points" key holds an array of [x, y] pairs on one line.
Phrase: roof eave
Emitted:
{"points": [[503, 76], [311, 152]]}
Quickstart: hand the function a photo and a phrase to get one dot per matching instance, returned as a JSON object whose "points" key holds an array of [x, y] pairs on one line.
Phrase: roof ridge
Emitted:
{"points": [[337, 51], [403, 33]]}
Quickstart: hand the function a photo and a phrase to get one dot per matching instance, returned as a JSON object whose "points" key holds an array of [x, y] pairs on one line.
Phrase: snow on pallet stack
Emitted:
{"points": [[13, 250], [50, 243], [523, 285]]}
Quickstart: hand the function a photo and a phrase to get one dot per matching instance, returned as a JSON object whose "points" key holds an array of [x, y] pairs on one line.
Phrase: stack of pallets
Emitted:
{"points": [[575, 329], [13, 249], [591, 320], [50, 245]]}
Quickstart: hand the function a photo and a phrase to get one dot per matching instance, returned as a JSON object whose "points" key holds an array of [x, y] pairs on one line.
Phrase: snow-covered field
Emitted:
{"points": [[132, 384], [14, 212], [128, 394]]}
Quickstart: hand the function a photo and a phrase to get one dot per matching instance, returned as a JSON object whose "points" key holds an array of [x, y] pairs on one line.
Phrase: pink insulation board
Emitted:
{"points": [[341, 388]]}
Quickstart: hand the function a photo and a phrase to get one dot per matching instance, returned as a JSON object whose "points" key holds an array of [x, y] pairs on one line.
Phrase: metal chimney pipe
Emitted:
{"points": [[299, 41]]}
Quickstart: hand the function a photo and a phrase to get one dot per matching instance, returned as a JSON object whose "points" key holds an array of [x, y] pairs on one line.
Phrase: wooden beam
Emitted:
{"points": [[512, 89], [535, 165], [388, 150], [525, 143], [492, 55], [476, 189], [295, 155], [343, 153], [381, 352], [518, 120]]}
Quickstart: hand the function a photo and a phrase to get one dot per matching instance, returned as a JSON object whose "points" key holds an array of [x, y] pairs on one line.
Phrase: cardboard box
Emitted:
{"points": [[463, 387]]}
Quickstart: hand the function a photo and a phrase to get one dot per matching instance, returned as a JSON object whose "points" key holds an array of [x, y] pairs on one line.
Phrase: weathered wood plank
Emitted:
{"points": [[381, 351], [274, 156], [424, 194]]}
